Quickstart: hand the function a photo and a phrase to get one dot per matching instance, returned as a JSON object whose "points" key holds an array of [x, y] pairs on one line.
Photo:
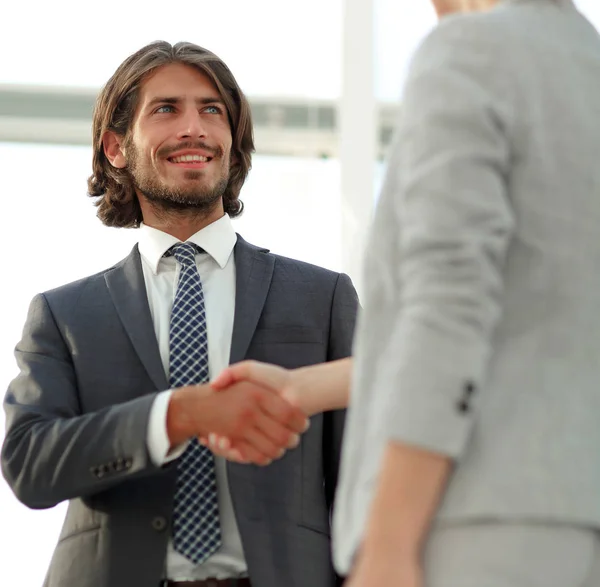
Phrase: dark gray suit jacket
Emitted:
{"points": [[78, 411]]}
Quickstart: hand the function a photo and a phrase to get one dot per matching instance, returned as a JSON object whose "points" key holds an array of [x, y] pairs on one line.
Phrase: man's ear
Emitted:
{"points": [[113, 149]]}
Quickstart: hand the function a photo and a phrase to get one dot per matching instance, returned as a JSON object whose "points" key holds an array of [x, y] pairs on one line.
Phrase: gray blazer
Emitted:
{"points": [[77, 415], [480, 337]]}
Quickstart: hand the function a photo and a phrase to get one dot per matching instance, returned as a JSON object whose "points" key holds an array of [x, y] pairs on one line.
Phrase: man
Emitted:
{"points": [[471, 453], [109, 399]]}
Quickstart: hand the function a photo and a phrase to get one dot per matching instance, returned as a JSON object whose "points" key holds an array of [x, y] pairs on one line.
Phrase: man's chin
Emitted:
{"points": [[183, 201]]}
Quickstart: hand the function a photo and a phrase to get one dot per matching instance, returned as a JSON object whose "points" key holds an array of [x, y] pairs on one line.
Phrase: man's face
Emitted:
{"points": [[178, 150]]}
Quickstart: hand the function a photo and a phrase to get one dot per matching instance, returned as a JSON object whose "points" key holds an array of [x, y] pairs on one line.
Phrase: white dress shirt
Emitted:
{"points": [[217, 273]]}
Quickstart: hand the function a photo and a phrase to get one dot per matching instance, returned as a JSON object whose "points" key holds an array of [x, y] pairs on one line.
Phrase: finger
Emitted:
{"points": [[248, 451], [271, 376], [233, 455], [232, 374], [224, 379], [236, 456], [280, 410], [221, 447], [271, 445], [290, 395], [218, 443], [281, 437]]}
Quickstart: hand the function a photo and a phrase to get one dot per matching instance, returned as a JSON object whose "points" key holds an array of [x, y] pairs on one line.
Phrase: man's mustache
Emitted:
{"points": [[165, 152]]}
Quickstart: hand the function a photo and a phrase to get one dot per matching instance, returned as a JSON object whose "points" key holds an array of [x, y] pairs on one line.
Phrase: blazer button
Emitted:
{"points": [[463, 407], [159, 523]]}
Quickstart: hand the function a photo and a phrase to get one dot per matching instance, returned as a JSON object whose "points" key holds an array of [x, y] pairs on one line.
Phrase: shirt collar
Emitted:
{"points": [[217, 239]]}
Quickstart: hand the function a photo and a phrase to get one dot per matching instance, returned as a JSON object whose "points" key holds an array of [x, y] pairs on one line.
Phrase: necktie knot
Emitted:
{"points": [[184, 253]]}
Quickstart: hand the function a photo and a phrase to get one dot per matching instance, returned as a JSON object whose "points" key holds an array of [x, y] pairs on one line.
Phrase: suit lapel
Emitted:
{"points": [[253, 271], [128, 291]]}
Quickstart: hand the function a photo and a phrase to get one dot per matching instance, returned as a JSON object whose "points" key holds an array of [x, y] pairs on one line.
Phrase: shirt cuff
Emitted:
{"points": [[158, 439]]}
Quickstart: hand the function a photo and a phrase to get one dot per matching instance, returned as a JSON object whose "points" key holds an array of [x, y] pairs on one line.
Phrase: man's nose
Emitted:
{"points": [[192, 126]]}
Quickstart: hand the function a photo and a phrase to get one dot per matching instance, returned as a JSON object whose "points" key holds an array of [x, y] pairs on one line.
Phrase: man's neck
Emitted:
{"points": [[181, 224]]}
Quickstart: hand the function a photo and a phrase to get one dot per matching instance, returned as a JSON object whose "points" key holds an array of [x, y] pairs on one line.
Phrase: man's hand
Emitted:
{"points": [[257, 421], [312, 389], [262, 375]]}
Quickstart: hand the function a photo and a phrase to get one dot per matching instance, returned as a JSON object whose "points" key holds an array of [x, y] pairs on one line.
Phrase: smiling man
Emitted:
{"points": [[188, 173], [113, 392]]}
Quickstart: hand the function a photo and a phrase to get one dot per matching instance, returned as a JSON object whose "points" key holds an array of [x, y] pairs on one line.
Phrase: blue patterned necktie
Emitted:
{"points": [[196, 529]]}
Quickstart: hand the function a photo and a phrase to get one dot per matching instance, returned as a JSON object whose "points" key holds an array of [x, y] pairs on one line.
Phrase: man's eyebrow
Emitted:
{"points": [[176, 99]]}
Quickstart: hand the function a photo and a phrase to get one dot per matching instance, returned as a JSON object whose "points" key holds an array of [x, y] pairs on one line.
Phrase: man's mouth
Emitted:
{"points": [[189, 159]]}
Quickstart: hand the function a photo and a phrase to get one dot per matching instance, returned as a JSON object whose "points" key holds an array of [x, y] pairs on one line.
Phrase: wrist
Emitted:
{"points": [[390, 539], [303, 390], [182, 413]]}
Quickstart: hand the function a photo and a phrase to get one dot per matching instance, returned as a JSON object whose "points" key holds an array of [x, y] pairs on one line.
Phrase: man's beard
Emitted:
{"points": [[195, 197]]}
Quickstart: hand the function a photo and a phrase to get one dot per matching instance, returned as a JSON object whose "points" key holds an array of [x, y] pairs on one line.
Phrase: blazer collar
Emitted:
{"points": [[254, 272], [127, 289]]}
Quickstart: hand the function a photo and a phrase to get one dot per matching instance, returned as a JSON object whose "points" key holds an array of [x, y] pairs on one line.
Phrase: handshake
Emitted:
{"points": [[254, 412]]}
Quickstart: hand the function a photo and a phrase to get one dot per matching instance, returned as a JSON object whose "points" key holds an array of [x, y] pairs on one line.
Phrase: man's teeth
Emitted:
{"points": [[185, 158]]}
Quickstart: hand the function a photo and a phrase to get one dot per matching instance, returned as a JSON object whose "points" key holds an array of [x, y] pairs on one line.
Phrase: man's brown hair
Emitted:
{"points": [[116, 106]]}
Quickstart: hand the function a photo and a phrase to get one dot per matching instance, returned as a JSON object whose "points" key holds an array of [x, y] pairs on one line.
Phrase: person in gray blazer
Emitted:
{"points": [[112, 390], [471, 451]]}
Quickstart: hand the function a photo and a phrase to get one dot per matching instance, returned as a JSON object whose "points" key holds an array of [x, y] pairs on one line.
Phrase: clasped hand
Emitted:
{"points": [[270, 432]]}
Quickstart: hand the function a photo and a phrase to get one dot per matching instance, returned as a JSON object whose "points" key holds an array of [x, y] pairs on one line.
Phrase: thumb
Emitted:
{"points": [[224, 379]]}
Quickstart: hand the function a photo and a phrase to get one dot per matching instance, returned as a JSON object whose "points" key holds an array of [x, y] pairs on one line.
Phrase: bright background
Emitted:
{"points": [[50, 235]]}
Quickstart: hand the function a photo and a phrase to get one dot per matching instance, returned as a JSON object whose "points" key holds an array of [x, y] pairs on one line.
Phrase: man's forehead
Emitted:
{"points": [[173, 79]]}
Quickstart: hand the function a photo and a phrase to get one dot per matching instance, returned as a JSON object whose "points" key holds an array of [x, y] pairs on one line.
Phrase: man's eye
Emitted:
{"points": [[165, 108], [213, 110]]}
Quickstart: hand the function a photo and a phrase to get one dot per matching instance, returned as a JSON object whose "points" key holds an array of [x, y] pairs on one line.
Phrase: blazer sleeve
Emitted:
{"points": [[447, 201], [52, 451], [344, 310]]}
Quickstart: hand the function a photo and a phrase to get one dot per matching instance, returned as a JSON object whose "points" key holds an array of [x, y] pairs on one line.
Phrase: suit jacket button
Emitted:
{"points": [[469, 388], [463, 407], [159, 523]]}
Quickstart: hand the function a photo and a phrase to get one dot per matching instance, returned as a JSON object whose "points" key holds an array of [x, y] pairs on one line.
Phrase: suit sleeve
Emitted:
{"points": [[447, 200], [52, 451], [344, 310]]}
